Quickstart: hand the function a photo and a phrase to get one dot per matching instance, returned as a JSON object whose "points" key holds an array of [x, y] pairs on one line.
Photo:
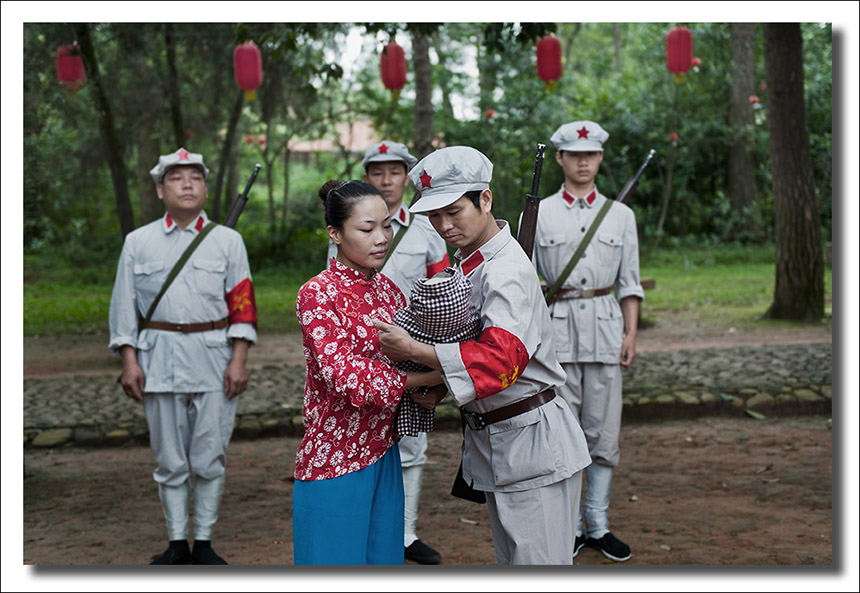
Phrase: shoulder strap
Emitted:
{"points": [[175, 271], [550, 293], [400, 232]]}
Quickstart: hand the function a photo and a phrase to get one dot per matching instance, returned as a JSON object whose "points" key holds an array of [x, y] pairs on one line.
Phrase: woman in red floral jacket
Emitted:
{"points": [[348, 493]]}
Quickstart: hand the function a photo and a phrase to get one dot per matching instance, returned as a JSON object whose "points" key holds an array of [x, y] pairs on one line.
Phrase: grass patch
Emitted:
{"points": [[726, 286], [729, 287]]}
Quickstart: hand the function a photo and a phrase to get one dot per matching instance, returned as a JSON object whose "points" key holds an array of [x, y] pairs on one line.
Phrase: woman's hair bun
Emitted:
{"points": [[327, 187]]}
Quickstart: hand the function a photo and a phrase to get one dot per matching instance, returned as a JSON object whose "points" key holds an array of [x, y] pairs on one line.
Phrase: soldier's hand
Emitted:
{"points": [[429, 397], [394, 341], [133, 381], [628, 350], [235, 379]]}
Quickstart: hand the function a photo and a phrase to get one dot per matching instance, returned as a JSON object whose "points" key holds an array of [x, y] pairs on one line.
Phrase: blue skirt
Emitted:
{"points": [[352, 519]]}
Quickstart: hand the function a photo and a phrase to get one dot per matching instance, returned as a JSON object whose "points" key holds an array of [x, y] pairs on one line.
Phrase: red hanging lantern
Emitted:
{"points": [[70, 67], [248, 68], [392, 65], [548, 54], [673, 137], [679, 51]]}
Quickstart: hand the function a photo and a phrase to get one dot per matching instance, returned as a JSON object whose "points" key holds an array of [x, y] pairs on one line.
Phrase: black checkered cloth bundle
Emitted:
{"points": [[439, 312]]}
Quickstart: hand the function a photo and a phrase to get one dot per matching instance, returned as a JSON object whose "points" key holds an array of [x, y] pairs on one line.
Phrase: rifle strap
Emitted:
{"points": [[175, 272], [556, 286], [400, 232]]}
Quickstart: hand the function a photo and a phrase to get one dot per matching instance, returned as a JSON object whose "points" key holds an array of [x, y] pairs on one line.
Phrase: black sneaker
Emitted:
{"points": [[176, 553], [421, 553], [578, 544], [612, 547], [204, 554]]}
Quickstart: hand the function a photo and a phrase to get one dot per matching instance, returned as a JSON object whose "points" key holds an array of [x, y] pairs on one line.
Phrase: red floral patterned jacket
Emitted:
{"points": [[351, 388]]}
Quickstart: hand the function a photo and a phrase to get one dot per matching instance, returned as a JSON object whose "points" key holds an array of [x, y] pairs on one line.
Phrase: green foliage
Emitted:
{"points": [[615, 75]]}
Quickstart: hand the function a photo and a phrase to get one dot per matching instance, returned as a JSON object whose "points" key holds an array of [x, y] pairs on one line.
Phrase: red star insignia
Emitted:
{"points": [[583, 133], [425, 180], [183, 154], [383, 149]]}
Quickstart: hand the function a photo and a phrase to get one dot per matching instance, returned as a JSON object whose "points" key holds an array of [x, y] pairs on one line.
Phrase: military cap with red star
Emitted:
{"points": [[388, 151], [174, 159], [580, 136], [445, 175]]}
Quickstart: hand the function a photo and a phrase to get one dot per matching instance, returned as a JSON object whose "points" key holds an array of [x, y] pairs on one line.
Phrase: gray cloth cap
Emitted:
{"points": [[180, 157], [388, 151], [580, 136], [445, 175]]}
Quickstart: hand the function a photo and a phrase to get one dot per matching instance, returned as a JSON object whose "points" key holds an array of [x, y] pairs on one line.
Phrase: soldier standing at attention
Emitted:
{"points": [[594, 332], [186, 364], [417, 252]]}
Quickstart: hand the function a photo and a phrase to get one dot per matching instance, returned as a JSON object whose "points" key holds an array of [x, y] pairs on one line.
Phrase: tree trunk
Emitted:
{"points": [[423, 98], [284, 208], [616, 37], [444, 77], [743, 193], [667, 193], [113, 150], [488, 70], [173, 88], [568, 45], [224, 159], [147, 156], [799, 291]]}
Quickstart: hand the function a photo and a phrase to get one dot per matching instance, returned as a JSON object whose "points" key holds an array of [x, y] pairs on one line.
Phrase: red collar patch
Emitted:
{"points": [[402, 215], [472, 262], [199, 225], [589, 199]]}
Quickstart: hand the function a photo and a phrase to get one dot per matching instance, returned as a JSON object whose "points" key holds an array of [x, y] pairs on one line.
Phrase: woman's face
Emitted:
{"points": [[366, 235]]}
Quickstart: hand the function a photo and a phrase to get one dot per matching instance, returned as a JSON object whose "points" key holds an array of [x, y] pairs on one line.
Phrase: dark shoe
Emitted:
{"points": [[578, 544], [612, 547], [421, 553], [204, 554], [176, 553]]}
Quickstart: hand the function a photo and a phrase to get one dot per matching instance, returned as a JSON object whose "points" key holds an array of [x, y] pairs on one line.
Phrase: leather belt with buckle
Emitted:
{"points": [[478, 421], [187, 328], [586, 293]]}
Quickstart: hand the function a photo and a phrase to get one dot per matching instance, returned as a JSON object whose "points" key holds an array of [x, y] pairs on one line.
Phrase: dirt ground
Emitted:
{"points": [[714, 491], [706, 492]]}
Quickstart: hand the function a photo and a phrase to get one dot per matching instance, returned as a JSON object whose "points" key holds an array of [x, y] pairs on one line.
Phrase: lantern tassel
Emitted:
{"points": [[550, 86], [679, 78], [250, 95], [395, 94]]}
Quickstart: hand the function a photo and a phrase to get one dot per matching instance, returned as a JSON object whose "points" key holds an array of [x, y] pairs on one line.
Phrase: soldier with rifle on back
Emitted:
{"points": [[184, 344], [586, 247]]}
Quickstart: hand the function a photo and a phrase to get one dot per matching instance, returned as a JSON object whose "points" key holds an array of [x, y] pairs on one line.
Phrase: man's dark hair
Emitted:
{"points": [[475, 196]]}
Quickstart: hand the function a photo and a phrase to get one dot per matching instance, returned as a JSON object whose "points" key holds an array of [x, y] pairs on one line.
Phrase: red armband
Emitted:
{"points": [[440, 265], [241, 304], [494, 361]]}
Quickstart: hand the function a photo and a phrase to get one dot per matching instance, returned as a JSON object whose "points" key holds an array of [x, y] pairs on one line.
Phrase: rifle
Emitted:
{"points": [[242, 198], [528, 223], [630, 186]]}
